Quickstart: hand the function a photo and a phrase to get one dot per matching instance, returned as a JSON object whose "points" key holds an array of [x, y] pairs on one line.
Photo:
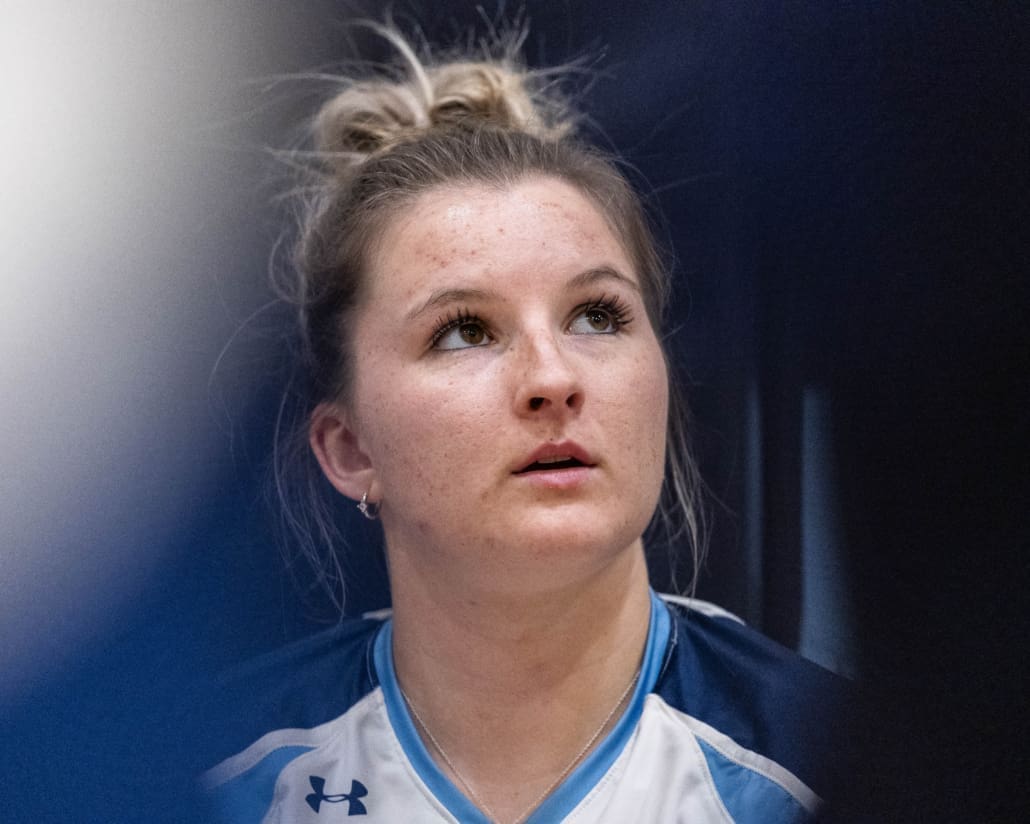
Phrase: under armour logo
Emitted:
{"points": [[357, 790]]}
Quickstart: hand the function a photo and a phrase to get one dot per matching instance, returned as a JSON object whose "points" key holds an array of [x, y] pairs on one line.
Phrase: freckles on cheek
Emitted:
{"points": [[647, 391]]}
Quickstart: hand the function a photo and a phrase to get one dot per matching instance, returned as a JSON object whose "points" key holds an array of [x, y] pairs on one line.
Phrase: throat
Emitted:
{"points": [[510, 696]]}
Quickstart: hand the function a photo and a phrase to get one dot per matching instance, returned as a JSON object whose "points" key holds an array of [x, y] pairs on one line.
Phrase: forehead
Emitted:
{"points": [[538, 226]]}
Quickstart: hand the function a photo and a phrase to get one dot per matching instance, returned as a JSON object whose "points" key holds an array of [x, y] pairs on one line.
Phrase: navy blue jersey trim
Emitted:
{"points": [[763, 696], [301, 686], [580, 782]]}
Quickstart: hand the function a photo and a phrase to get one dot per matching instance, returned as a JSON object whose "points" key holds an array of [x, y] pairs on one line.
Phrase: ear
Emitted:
{"points": [[338, 450]]}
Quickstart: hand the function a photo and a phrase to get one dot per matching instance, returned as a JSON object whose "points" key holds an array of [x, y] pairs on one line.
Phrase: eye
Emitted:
{"points": [[602, 317], [593, 321], [463, 332]]}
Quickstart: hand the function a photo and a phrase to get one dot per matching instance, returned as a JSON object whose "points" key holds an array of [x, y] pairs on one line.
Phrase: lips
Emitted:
{"points": [[553, 457]]}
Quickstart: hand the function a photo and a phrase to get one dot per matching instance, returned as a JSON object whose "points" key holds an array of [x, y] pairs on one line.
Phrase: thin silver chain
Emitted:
{"points": [[561, 776]]}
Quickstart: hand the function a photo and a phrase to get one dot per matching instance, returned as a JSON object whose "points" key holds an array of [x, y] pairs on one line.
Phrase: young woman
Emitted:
{"points": [[483, 302]]}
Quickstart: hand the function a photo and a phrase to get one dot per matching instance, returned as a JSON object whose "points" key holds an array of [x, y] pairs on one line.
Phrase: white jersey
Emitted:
{"points": [[723, 726]]}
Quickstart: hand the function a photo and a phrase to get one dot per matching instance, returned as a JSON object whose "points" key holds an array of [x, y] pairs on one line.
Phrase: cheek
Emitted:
{"points": [[652, 414], [423, 435], [646, 395]]}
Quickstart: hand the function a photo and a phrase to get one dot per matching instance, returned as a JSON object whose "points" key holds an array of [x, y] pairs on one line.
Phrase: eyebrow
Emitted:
{"points": [[442, 297], [591, 276]]}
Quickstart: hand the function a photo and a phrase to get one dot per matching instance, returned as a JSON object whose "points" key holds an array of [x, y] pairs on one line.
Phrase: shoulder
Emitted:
{"points": [[709, 643], [745, 688], [300, 686]]}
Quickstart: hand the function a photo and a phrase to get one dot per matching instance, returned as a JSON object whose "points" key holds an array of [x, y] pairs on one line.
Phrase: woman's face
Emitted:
{"points": [[509, 392]]}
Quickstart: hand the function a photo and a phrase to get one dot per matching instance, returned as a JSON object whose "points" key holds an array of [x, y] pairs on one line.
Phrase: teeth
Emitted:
{"points": [[556, 459]]}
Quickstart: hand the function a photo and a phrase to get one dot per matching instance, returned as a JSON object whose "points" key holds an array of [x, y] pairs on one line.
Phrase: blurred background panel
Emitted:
{"points": [[134, 238], [844, 191]]}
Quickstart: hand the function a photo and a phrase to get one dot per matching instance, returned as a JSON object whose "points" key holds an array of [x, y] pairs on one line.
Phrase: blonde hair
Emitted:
{"points": [[379, 143]]}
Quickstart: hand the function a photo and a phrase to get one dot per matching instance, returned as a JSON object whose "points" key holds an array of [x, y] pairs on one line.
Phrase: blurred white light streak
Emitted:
{"points": [[106, 240]]}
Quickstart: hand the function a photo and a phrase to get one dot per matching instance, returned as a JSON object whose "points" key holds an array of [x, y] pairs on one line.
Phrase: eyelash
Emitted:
{"points": [[616, 309], [614, 306], [447, 323]]}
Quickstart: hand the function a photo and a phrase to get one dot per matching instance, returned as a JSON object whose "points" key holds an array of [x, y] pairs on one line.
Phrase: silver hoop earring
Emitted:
{"points": [[370, 511]]}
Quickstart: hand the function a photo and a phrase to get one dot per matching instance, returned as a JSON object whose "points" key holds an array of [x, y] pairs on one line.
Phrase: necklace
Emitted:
{"points": [[558, 779]]}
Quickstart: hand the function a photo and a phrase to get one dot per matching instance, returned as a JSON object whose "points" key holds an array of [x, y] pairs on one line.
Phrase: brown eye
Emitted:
{"points": [[462, 333], [472, 333], [599, 319], [594, 320]]}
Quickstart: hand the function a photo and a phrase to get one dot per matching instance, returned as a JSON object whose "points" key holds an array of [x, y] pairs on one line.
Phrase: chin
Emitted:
{"points": [[580, 538]]}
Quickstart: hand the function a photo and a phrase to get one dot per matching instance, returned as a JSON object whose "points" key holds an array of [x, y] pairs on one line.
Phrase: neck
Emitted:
{"points": [[518, 678], [500, 640]]}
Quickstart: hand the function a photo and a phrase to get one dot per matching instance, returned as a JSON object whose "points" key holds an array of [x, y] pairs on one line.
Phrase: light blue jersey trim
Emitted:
{"points": [[404, 728], [579, 783], [585, 777], [750, 798], [247, 797]]}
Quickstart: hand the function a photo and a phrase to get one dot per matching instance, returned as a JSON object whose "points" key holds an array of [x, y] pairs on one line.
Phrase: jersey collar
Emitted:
{"points": [[567, 795]]}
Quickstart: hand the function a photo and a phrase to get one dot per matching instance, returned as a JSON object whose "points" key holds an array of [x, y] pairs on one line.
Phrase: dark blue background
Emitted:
{"points": [[844, 186]]}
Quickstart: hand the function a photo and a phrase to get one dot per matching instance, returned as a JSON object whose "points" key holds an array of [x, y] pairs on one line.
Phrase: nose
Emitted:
{"points": [[547, 381]]}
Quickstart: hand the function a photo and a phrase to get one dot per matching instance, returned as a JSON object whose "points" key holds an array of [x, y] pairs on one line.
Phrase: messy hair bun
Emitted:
{"points": [[371, 115], [381, 142]]}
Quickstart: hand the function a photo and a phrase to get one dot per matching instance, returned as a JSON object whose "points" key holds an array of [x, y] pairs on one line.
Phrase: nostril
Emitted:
{"points": [[536, 403]]}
